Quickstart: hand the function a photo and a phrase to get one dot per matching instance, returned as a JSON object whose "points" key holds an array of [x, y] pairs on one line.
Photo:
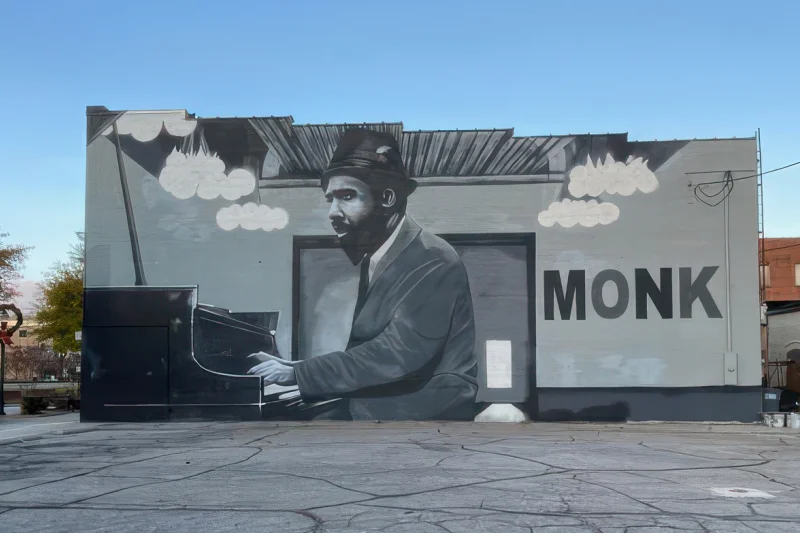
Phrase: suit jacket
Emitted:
{"points": [[411, 354]]}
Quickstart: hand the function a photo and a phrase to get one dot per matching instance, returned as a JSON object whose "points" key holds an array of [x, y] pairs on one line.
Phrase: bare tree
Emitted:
{"points": [[18, 365], [29, 363]]}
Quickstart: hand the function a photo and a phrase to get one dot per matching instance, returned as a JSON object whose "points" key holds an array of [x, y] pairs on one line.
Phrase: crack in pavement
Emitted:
{"points": [[761, 454], [443, 459], [493, 441], [582, 517], [596, 514], [516, 457], [791, 487], [576, 478], [370, 473], [161, 482], [676, 469], [350, 520], [317, 520], [434, 524], [430, 491], [481, 518], [112, 476], [323, 480], [692, 455], [248, 443], [91, 472], [441, 525], [146, 509], [565, 503], [740, 522]]}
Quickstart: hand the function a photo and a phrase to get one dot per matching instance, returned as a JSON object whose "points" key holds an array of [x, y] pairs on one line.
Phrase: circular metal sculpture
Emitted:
{"points": [[5, 332], [5, 338]]}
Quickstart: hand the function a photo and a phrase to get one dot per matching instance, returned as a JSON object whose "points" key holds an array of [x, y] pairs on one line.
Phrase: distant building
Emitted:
{"points": [[26, 336], [780, 271], [780, 279]]}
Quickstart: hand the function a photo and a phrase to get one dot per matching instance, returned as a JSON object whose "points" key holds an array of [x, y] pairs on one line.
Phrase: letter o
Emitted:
{"points": [[623, 294]]}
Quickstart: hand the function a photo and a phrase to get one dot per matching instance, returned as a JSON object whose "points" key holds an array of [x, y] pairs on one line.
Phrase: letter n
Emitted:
{"points": [[661, 296], [554, 290]]}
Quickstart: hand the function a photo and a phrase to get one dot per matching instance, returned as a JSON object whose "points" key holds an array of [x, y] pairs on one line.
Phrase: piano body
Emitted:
{"points": [[155, 353]]}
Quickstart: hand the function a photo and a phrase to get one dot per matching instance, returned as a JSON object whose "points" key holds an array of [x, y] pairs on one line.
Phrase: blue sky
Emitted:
{"points": [[657, 70]]}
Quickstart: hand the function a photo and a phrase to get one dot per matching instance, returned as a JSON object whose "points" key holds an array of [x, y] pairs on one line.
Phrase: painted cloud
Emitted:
{"points": [[613, 177], [145, 127], [251, 216], [204, 174], [571, 212]]}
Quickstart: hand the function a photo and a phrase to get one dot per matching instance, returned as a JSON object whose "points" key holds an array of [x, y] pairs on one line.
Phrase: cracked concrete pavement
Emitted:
{"points": [[400, 478]]}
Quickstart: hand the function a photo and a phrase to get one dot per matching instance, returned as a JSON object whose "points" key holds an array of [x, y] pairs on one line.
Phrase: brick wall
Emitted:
{"points": [[782, 255]]}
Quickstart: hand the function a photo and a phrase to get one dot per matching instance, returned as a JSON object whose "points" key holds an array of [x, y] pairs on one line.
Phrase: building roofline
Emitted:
{"points": [[102, 110]]}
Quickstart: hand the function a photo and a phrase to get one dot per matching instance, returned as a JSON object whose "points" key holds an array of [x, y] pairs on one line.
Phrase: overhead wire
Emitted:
{"points": [[780, 247], [728, 182], [725, 190], [753, 175]]}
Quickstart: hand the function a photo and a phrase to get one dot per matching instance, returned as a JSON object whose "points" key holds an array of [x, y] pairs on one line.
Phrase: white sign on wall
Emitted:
{"points": [[498, 364]]}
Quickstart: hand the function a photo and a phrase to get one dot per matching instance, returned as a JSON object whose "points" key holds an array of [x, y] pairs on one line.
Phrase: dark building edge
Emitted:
{"points": [[729, 403], [619, 405]]}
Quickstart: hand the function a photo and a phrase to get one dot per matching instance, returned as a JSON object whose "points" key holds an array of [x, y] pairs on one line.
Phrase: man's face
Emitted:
{"points": [[352, 203]]}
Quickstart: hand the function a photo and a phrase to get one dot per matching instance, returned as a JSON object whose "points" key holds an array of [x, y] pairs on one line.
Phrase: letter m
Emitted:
{"points": [[554, 290]]}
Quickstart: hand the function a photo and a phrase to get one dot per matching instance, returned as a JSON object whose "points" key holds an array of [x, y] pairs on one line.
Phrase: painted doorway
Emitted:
{"points": [[501, 271]]}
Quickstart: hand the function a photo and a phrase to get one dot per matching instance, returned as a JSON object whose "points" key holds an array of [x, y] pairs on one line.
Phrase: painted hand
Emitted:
{"points": [[273, 369], [264, 356]]}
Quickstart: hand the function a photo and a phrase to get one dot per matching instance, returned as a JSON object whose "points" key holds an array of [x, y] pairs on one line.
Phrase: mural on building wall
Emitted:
{"points": [[403, 303]]}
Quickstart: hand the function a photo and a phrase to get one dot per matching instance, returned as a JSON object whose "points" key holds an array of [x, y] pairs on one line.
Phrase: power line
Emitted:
{"points": [[752, 175], [781, 247], [765, 250], [727, 187], [788, 245]]}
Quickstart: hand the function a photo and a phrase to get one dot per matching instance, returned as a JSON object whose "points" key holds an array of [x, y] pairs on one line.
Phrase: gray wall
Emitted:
{"points": [[783, 329], [249, 271]]}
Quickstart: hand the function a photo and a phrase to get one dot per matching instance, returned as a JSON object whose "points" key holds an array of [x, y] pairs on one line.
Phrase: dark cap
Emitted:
{"points": [[373, 157]]}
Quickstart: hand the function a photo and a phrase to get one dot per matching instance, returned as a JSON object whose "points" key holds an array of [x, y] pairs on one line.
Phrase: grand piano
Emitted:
{"points": [[155, 353]]}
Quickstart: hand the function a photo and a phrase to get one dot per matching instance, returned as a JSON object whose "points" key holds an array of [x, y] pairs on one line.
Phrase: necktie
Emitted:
{"points": [[363, 285]]}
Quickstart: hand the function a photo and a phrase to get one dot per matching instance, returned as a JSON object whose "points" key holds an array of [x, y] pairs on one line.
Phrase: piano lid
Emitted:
{"points": [[266, 320], [223, 342]]}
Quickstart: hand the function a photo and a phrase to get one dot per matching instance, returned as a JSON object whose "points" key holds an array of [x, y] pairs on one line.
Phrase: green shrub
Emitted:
{"points": [[33, 405]]}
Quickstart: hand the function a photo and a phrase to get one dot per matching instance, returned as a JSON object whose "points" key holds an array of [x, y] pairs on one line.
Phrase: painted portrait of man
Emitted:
{"points": [[411, 350]]}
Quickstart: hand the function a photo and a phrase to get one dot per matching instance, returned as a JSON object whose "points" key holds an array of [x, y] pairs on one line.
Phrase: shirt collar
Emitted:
{"points": [[380, 252]]}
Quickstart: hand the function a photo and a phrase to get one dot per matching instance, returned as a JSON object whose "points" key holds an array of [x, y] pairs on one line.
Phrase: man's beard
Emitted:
{"points": [[365, 238]]}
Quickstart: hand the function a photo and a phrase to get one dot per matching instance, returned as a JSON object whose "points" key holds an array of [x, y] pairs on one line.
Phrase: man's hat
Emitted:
{"points": [[373, 157]]}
